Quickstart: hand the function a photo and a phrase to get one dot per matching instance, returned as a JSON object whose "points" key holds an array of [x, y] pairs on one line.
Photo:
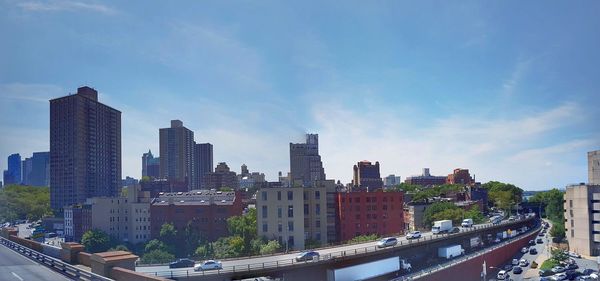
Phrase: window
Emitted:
{"points": [[318, 236], [368, 199], [305, 209], [279, 212], [305, 195], [318, 223], [356, 200], [279, 195], [318, 209], [279, 227], [358, 216], [571, 203], [264, 195], [265, 227], [264, 212], [291, 241], [357, 208], [290, 195], [384, 207], [290, 211], [317, 195], [198, 211], [290, 226]]}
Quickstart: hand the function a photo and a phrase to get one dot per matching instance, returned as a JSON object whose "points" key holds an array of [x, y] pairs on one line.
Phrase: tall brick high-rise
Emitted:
{"points": [[177, 154], [85, 149], [203, 158]]}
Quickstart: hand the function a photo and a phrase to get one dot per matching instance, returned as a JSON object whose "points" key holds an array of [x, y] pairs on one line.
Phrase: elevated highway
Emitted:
{"points": [[421, 253]]}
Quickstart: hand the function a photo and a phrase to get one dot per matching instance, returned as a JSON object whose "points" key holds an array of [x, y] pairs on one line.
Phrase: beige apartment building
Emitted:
{"points": [[295, 214], [582, 218]]}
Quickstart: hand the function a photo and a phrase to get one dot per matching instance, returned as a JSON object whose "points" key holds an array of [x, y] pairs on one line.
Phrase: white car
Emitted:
{"points": [[413, 235], [515, 262], [208, 265], [387, 242], [523, 263], [559, 276], [558, 269], [524, 250], [574, 255], [502, 275]]}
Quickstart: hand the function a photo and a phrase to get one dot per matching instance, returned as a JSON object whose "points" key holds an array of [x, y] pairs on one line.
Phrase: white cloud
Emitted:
{"points": [[65, 5], [30, 92]]}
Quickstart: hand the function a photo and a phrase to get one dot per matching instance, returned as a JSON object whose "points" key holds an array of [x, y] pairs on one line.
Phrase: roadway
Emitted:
{"points": [[15, 267]]}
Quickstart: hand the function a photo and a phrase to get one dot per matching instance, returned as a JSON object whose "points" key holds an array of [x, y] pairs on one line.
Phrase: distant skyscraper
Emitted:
{"points": [[177, 154], [245, 171], [305, 162], [85, 149], [145, 157], [203, 158], [13, 174], [391, 181], [26, 167], [366, 175], [594, 167], [150, 165], [36, 169]]}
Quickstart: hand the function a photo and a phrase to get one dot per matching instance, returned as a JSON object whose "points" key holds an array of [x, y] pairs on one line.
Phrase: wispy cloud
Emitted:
{"points": [[510, 85], [30, 92], [65, 5]]}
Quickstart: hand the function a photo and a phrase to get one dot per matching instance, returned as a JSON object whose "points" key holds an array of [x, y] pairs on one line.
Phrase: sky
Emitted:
{"points": [[508, 89]]}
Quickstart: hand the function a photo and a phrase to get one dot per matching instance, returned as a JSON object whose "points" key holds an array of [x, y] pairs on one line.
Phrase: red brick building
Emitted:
{"points": [[460, 176], [207, 210], [364, 213]]}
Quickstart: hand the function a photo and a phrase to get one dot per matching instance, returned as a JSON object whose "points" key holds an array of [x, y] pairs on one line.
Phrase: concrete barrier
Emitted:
{"points": [[84, 258], [118, 273]]}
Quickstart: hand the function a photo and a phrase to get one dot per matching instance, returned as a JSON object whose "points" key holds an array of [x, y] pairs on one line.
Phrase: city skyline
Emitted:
{"points": [[483, 95]]}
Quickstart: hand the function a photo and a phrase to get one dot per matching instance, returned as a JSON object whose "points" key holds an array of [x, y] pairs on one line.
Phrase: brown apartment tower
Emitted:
{"points": [[85, 149]]}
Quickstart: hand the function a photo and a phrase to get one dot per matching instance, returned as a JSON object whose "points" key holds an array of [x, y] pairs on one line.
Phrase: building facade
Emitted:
{"points": [[414, 216], [582, 218], [203, 156], [222, 177], [594, 167], [13, 174], [366, 213], [150, 165], [206, 210], [306, 166], [391, 181], [460, 176], [426, 179], [366, 176], [156, 186], [85, 149], [177, 154]]}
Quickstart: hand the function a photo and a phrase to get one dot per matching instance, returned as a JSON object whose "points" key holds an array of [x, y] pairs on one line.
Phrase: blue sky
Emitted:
{"points": [[508, 89]]}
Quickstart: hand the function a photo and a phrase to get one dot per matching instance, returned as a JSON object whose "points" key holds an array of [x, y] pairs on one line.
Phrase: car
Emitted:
{"points": [[387, 242], [558, 276], [545, 279], [541, 234], [508, 267], [539, 241], [571, 266], [413, 235], [573, 255], [588, 271], [545, 272], [523, 263], [524, 250], [532, 251], [584, 277], [208, 265], [502, 275], [558, 269], [307, 256], [517, 270], [180, 263], [515, 262], [454, 230], [572, 274], [531, 243]]}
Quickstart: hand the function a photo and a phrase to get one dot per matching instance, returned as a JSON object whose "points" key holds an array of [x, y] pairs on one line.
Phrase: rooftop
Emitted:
{"points": [[195, 197]]}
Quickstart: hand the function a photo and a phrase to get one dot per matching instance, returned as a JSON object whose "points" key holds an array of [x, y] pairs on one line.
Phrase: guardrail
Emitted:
{"points": [[430, 270], [326, 257], [56, 264]]}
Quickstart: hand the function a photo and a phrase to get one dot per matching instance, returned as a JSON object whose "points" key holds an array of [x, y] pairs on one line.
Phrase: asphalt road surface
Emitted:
{"points": [[15, 267]]}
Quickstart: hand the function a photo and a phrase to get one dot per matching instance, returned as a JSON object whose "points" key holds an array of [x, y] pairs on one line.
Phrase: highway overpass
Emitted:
{"points": [[420, 253]]}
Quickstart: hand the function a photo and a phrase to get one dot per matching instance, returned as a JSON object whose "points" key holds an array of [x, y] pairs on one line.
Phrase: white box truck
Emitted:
{"points": [[467, 223], [451, 251], [441, 226]]}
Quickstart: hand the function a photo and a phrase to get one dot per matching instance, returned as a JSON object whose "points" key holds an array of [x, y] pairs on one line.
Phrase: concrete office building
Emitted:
{"points": [[177, 154], [13, 174], [582, 218], [306, 166], [391, 181], [125, 218], [203, 158], [594, 167], [293, 215], [366, 176], [85, 149], [36, 169]]}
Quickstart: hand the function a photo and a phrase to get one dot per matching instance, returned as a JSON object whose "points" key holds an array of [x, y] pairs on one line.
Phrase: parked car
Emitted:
{"points": [[502, 275], [574, 255], [588, 271], [571, 266], [523, 263], [572, 274], [558, 277], [584, 277], [545, 272], [531, 243], [524, 250], [307, 256], [532, 251], [180, 263], [508, 267], [387, 242], [454, 230], [208, 265], [558, 269], [413, 235], [539, 241], [515, 262], [517, 270]]}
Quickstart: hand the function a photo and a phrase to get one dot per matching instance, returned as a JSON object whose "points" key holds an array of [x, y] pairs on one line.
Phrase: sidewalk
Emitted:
{"points": [[543, 256]]}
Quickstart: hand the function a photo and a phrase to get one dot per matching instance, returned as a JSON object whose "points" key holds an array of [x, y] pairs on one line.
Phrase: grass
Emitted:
{"points": [[549, 264]]}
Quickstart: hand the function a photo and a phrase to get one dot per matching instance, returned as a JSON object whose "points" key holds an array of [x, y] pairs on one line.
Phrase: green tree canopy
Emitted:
{"points": [[155, 244], [168, 235], [96, 241], [244, 226], [271, 247], [157, 256], [24, 202]]}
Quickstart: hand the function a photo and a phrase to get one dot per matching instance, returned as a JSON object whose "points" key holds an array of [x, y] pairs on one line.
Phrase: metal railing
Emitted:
{"points": [[342, 254], [53, 263]]}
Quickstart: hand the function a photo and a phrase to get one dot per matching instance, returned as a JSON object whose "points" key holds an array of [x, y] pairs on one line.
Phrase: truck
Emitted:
{"points": [[441, 226], [451, 251], [369, 270], [467, 223]]}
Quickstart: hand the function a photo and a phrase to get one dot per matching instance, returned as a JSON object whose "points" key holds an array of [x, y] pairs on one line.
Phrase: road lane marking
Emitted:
{"points": [[17, 276]]}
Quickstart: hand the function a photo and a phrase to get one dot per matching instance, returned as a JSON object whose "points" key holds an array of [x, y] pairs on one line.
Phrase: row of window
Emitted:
{"points": [[290, 195]]}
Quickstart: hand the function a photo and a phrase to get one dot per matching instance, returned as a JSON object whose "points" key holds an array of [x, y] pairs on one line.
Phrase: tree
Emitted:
{"points": [[155, 244], [270, 247], [558, 230], [168, 235], [553, 200], [24, 202], [363, 238], [311, 243], [119, 247], [433, 209], [504, 195], [96, 241], [157, 256], [405, 187], [455, 214], [228, 247], [244, 226], [192, 238]]}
